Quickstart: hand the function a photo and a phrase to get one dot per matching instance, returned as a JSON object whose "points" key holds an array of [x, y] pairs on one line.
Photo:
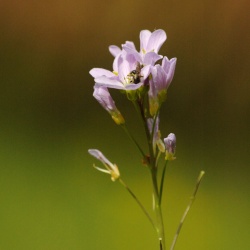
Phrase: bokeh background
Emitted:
{"points": [[50, 196]]}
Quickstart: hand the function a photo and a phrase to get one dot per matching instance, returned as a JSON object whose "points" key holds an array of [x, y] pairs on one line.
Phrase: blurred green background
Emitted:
{"points": [[50, 196]]}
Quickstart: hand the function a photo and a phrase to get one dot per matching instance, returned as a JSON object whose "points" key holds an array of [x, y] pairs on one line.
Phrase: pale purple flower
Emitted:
{"points": [[150, 44], [125, 74], [111, 168], [122, 77], [170, 145], [152, 41], [162, 76], [114, 50], [103, 96]]}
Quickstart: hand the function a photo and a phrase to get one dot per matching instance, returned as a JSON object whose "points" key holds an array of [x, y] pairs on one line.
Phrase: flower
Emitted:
{"points": [[170, 145], [150, 44], [162, 76], [103, 96], [111, 169], [128, 60], [122, 77]]}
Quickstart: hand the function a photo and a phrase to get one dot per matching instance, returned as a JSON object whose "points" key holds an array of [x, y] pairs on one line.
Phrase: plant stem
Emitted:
{"points": [[133, 140], [159, 218], [153, 168], [187, 209], [162, 181], [139, 203]]}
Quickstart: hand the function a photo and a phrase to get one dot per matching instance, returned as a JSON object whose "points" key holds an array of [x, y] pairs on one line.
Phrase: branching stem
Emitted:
{"points": [[139, 203]]}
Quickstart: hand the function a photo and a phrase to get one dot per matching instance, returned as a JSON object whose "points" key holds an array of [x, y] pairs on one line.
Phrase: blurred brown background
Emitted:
{"points": [[51, 197]]}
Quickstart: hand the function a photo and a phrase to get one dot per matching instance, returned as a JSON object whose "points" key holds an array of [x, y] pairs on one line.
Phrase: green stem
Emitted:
{"points": [[159, 218], [153, 168], [162, 181], [133, 140], [150, 145], [187, 209], [139, 203]]}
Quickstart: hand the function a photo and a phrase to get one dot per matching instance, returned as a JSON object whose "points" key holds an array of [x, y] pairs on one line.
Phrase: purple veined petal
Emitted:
{"points": [[151, 58], [144, 37], [161, 78], [109, 83], [133, 86], [157, 38], [97, 72], [114, 50], [153, 82]]}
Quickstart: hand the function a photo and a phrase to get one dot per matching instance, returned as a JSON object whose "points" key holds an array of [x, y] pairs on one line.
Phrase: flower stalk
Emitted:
{"points": [[198, 182]]}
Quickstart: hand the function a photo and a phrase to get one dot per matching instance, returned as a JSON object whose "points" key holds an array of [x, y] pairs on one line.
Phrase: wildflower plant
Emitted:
{"points": [[145, 81]]}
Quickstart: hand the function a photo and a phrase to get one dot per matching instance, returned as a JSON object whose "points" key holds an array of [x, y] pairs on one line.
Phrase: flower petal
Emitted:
{"points": [[124, 68], [97, 72], [159, 77], [157, 38], [130, 49], [103, 96], [114, 50], [108, 82], [145, 71], [144, 37], [151, 58], [99, 156], [171, 69]]}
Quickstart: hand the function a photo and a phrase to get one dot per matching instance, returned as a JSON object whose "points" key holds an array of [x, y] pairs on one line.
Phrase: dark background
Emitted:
{"points": [[51, 197]]}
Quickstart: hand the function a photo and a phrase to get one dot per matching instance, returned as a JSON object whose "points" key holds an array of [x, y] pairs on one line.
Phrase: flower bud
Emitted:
{"points": [[103, 96], [170, 145]]}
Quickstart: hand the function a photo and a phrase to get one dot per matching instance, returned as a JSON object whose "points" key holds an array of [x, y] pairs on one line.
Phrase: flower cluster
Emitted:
{"points": [[144, 80], [135, 71]]}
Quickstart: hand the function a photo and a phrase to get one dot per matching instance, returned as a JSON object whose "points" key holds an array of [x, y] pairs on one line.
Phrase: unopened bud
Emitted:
{"points": [[170, 145]]}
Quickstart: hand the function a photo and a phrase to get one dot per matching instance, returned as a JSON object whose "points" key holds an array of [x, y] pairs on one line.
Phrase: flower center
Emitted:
{"points": [[135, 75]]}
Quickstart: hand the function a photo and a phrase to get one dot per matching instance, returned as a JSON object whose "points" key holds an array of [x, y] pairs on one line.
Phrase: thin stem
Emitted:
{"points": [[162, 181], [160, 225], [133, 140], [187, 209], [150, 145], [153, 168], [139, 203]]}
